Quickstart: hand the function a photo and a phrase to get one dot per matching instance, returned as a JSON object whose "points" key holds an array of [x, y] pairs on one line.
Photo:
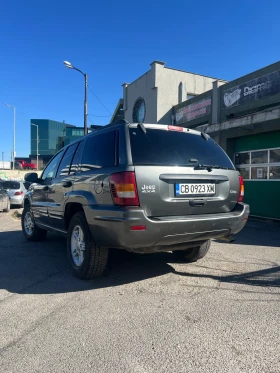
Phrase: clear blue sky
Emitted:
{"points": [[114, 42]]}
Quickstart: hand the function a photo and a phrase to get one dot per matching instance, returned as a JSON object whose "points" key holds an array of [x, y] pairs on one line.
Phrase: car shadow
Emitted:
{"points": [[42, 268], [268, 277], [259, 234]]}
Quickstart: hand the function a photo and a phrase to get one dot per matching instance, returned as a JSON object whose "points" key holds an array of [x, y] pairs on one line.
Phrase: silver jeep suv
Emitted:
{"points": [[140, 187]]}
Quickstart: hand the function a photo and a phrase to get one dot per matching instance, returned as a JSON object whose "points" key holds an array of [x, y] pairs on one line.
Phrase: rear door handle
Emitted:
{"points": [[197, 202], [67, 184]]}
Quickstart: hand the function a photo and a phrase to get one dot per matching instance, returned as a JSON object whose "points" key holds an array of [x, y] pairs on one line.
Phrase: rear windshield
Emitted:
{"points": [[10, 184], [160, 147]]}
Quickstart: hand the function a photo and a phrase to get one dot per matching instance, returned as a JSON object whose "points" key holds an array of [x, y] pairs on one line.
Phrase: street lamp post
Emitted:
{"points": [[70, 66], [37, 141], [14, 142]]}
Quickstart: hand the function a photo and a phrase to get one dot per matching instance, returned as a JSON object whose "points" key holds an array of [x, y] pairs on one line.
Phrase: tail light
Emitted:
{"points": [[241, 189], [18, 193], [124, 189]]}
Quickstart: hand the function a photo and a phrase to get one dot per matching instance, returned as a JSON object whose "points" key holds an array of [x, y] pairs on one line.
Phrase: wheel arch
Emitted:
{"points": [[71, 208], [26, 202]]}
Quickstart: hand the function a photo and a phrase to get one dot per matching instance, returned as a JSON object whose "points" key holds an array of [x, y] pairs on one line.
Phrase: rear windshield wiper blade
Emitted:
{"points": [[171, 164], [209, 167]]}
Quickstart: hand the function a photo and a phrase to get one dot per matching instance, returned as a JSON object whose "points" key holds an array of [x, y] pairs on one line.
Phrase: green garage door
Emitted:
{"points": [[257, 157]]}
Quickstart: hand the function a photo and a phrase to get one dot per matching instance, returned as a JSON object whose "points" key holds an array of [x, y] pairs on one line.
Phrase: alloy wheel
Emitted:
{"points": [[28, 224], [78, 246]]}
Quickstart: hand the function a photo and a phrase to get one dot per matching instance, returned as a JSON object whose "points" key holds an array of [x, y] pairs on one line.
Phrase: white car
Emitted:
{"points": [[16, 191]]}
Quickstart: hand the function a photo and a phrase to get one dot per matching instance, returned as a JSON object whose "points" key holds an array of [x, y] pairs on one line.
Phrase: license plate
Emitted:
{"points": [[195, 189]]}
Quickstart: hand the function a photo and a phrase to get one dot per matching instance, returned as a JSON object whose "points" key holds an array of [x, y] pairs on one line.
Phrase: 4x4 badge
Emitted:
{"points": [[148, 188]]}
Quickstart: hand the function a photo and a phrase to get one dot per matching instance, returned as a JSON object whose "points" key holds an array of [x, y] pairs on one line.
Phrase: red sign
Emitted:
{"points": [[193, 111]]}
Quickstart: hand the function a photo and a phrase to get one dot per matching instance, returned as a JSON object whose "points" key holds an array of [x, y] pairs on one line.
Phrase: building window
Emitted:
{"points": [[245, 172], [274, 172], [242, 158], [180, 93], [77, 132], [261, 164], [139, 111], [275, 156], [259, 157]]}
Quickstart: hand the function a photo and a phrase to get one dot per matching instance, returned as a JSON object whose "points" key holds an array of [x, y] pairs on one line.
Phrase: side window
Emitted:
{"points": [[99, 151], [76, 160], [180, 93], [64, 166], [50, 170]]}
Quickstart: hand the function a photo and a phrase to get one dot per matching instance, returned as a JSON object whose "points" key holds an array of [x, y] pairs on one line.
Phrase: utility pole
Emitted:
{"points": [[14, 140], [85, 107], [14, 148]]}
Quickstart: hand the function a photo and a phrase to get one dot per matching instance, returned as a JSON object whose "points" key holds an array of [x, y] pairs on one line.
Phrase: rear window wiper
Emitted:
{"points": [[209, 167]]}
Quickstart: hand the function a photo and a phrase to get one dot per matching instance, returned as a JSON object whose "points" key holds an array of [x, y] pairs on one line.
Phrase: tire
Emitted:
{"points": [[29, 228], [7, 209], [193, 254], [87, 259]]}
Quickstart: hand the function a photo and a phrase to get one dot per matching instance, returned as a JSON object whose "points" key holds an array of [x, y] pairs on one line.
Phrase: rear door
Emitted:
{"points": [[98, 161], [169, 181]]}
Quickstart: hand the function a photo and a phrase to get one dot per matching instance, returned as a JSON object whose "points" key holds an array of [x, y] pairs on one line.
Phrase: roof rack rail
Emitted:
{"points": [[120, 121]]}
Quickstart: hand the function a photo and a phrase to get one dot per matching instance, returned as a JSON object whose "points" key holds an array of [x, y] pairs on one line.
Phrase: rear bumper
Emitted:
{"points": [[16, 200], [112, 227]]}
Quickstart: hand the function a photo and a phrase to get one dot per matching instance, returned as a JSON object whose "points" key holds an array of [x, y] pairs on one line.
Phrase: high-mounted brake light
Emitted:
{"points": [[241, 189], [124, 189], [175, 128]]}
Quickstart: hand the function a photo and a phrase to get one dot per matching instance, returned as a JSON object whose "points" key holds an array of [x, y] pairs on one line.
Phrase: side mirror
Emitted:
{"points": [[32, 177]]}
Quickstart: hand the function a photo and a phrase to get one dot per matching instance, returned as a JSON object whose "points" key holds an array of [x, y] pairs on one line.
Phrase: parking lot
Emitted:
{"points": [[148, 313]]}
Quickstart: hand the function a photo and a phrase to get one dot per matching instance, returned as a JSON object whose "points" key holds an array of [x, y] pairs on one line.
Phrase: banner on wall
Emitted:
{"points": [[193, 111], [255, 89]]}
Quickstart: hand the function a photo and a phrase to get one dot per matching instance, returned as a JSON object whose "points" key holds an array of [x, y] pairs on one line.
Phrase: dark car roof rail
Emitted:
{"points": [[118, 122]]}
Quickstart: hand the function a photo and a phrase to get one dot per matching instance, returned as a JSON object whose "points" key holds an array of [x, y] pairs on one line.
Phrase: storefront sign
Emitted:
{"points": [[193, 111], [266, 85]]}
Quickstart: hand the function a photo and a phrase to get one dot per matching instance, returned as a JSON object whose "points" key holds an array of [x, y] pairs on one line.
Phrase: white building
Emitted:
{"points": [[151, 97]]}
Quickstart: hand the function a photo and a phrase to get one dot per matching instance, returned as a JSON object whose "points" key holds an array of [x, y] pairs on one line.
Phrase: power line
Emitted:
{"points": [[99, 100], [99, 116], [91, 122]]}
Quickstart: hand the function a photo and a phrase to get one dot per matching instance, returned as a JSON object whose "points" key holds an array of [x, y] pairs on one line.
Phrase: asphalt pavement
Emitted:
{"points": [[149, 313]]}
